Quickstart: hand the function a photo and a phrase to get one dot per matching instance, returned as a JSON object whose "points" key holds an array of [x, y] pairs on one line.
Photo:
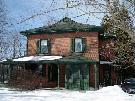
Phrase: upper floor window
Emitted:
{"points": [[42, 46], [78, 45]]}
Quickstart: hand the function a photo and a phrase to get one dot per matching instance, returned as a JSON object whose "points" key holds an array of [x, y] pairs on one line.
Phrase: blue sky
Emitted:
{"points": [[20, 9]]}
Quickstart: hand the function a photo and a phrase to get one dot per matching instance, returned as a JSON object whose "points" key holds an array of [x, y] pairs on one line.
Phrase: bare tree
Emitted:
{"points": [[3, 31], [17, 46], [11, 43]]}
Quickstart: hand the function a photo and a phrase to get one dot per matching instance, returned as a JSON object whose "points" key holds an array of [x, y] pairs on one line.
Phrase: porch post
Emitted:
{"points": [[96, 76], [3, 73], [58, 76]]}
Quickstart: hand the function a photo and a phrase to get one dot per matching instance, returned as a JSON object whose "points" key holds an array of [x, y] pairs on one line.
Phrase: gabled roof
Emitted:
{"points": [[64, 25]]}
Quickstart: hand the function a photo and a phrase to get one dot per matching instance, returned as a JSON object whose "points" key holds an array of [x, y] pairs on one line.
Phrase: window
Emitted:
{"points": [[42, 46], [78, 45], [77, 76]]}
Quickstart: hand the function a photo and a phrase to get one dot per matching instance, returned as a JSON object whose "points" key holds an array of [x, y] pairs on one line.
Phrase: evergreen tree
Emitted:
{"points": [[124, 46]]}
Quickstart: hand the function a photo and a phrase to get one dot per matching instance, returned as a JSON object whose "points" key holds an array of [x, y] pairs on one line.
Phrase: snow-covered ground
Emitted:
{"points": [[110, 93]]}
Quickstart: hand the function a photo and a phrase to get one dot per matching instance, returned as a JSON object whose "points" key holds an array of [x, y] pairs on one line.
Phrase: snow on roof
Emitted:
{"points": [[3, 60], [105, 62], [37, 58]]}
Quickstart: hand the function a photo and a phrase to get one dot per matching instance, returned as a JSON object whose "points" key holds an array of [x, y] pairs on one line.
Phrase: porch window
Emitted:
{"points": [[77, 76], [78, 45], [42, 70], [42, 46]]}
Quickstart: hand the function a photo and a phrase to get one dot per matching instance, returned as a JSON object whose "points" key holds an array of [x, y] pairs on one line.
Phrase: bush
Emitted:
{"points": [[25, 79]]}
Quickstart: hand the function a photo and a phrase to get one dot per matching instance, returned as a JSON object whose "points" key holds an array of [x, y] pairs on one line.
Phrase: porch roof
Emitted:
{"points": [[31, 59], [49, 59], [76, 59], [37, 58]]}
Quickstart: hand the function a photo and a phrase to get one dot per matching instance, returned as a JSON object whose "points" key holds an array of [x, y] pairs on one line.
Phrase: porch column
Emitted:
{"points": [[58, 76], [2, 73], [96, 76]]}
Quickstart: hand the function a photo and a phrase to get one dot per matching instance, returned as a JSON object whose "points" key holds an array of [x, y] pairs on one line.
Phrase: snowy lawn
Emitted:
{"points": [[110, 93]]}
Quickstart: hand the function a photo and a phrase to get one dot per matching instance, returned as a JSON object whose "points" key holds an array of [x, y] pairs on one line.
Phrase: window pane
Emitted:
{"points": [[40, 69], [44, 48], [78, 45]]}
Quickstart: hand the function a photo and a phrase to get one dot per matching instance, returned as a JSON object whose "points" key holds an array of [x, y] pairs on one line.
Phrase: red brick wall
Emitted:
{"points": [[91, 76], [61, 43], [62, 75], [31, 46], [106, 49], [60, 46]]}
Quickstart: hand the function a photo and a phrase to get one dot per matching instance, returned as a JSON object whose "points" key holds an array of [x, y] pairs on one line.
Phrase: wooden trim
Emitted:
{"points": [[96, 76], [58, 76]]}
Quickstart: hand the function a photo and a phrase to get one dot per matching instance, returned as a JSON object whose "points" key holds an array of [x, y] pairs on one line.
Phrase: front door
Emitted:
{"points": [[77, 76]]}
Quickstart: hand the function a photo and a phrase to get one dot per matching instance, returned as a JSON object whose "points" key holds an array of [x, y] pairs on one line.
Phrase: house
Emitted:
{"points": [[67, 54]]}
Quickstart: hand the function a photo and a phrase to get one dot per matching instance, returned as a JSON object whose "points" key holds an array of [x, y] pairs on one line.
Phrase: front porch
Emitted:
{"points": [[66, 72]]}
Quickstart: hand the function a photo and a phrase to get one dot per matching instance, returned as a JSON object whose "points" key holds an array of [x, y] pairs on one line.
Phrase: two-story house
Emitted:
{"points": [[67, 54]]}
